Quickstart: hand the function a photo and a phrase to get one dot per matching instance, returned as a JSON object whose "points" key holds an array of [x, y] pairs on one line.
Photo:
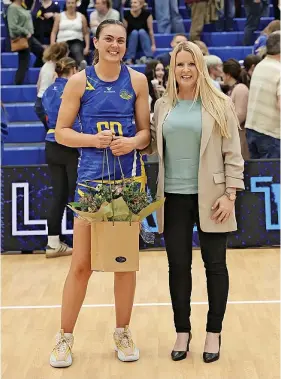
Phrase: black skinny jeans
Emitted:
{"points": [[24, 56], [181, 213], [62, 162]]}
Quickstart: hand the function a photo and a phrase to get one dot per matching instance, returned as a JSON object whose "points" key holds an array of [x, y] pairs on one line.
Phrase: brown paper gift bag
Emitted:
{"points": [[115, 246]]}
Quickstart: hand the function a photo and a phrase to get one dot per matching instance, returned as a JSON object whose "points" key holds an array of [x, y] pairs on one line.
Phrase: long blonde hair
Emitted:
{"points": [[213, 100]]}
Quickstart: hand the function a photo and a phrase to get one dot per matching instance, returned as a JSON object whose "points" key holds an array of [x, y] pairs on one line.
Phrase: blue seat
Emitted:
{"points": [[21, 112], [239, 24], [236, 52], [10, 60], [23, 155], [26, 132], [216, 39], [8, 76], [16, 94]]}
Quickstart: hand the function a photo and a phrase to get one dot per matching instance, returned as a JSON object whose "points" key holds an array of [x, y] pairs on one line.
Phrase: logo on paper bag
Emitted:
{"points": [[120, 259]]}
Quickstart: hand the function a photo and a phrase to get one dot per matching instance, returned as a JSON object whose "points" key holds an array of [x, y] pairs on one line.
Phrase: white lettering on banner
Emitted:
{"points": [[27, 222]]}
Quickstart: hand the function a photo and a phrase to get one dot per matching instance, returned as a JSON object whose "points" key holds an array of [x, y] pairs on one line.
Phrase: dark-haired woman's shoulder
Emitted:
{"points": [[76, 84]]}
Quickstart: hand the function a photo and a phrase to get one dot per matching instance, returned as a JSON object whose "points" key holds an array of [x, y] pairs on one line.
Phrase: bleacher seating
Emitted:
{"points": [[25, 143]]}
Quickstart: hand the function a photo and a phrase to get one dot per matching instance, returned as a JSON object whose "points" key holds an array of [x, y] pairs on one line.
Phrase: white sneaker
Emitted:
{"points": [[124, 345], [61, 251], [61, 355]]}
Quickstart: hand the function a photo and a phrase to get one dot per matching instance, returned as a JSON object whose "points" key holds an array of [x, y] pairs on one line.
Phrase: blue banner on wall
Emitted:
{"points": [[26, 194]]}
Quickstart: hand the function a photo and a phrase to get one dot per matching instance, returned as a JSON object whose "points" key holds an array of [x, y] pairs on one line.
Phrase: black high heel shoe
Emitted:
{"points": [[212, 357], [179, 355]]}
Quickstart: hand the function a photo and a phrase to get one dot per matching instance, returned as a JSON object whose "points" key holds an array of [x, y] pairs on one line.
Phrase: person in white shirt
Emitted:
{"points": [[104, 11], [263, 116], [71, 27], [47, 75]]}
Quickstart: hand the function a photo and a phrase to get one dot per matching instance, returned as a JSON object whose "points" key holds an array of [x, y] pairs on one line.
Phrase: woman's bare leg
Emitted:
{"points": [[77, 279], [124, 291]]}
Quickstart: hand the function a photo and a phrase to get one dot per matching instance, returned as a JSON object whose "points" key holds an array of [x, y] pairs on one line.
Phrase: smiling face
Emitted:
{"points": [[136, 5], [159, 71], [186, 72], [111, 43], [101, 6]]}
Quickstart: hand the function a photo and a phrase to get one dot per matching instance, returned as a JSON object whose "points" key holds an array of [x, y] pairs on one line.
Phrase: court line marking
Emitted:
{"points": [[14, 307]]}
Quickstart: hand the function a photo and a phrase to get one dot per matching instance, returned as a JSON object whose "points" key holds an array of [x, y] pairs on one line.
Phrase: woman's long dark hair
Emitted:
{"points": [[101, 26], [233, 68]]}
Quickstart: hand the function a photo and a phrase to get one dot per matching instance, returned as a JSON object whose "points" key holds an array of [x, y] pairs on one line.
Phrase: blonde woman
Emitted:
{"points": [[195, 132]]}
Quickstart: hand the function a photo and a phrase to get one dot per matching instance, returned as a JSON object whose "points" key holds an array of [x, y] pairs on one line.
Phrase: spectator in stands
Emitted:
{"points": [[71, 27], [260, 43], [139, 24], [156, 77], [51, 56], [166, 57], [44, 21], [104, 11], [250, 63], [20, 25], [202, 46], [193, 118], [253, 10], [263, 118], [226, 16], [199, 9], [168, 17], [62, 160], [81, 7], [237, 80], [214, 65]]}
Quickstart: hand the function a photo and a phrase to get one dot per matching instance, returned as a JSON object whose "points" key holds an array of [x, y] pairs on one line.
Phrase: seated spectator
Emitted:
{"points": [[44, 21], [104, 11], [20, 25], [166, 57], [202, 46], [237, 80], [51, 56], [82, 7], [250, 63], [263, 118], [260, 43], [139, 25], [168, 17], [71, 27], [214, 65], [157, 78]]}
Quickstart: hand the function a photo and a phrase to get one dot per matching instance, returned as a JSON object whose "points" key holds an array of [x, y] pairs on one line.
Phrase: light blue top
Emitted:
{"points": [[182, 137]]}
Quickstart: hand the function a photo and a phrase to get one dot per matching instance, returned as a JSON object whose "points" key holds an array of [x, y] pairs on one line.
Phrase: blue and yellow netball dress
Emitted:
{"points": [[51, 101], [108, 106]]}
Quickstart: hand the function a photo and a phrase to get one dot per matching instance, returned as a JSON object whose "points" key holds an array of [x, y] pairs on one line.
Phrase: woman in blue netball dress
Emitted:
{"points": [[62, 160], [111, 102]]}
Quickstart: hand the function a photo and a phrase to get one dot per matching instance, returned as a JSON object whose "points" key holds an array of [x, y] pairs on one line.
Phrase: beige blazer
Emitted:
{"points": [[221, 164]]}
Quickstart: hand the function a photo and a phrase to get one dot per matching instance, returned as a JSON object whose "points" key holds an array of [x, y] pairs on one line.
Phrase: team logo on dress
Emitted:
{"points": [[89, 86], [109, 90], [124, 94]]}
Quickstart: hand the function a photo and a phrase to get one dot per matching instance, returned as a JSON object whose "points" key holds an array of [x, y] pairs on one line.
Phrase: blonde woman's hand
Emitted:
{"points": [[222, 208]]}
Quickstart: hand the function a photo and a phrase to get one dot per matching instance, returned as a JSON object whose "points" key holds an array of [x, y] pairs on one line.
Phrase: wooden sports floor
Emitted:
{"points": [[31, 295]]}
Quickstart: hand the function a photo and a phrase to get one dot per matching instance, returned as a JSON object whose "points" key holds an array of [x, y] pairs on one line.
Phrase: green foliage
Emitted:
{"points": [[93, 198]]}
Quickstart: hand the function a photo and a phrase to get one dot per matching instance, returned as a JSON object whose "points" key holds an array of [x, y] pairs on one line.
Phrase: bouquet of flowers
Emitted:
{"points": [[115, 202]]}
